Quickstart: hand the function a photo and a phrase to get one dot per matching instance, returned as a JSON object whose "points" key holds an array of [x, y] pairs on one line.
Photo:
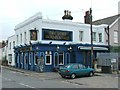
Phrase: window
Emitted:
{"points": [[25, 39], [21, 38], [13, 44], [26, 59], [21, 54], [30, 58], [17, 39], [100, 37], [10, 58], [115, 36], [48, 58], [36, 59], [75, 66], [10, 46], [94, 36], [81, 35], [61, 59]]}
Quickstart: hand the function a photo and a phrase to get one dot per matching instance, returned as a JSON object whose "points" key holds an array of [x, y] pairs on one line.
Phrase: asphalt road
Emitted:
{"points": [[13, 79]]}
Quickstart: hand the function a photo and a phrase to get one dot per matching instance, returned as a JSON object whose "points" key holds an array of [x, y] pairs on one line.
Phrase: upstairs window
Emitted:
{"points": [[13, 44], [17, 39], [115, 36], [81, 35], [25, 38], [10, 46], [21, 38], [100, 37], [94, 36]]}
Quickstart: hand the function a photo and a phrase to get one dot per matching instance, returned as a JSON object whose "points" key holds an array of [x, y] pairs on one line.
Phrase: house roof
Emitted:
{"points": [[108, 20]]}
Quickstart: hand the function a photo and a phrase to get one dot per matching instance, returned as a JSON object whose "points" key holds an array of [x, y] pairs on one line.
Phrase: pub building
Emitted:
{"points": [[42, 45]]}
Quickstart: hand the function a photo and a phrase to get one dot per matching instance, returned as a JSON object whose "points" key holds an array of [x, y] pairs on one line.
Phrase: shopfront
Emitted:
{"points": [[45, 57]]}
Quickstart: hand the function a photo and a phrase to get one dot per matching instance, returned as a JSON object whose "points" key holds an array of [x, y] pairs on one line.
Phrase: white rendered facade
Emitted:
{"points": [[22, 32], [39, 23]]}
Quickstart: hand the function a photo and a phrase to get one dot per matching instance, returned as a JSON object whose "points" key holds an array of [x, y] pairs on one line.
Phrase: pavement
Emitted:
{"points": [[106, 80], [43, 75], [48, 75]]}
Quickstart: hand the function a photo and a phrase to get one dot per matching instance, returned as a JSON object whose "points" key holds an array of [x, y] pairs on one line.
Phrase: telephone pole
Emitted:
{"points": [[91, 37]]}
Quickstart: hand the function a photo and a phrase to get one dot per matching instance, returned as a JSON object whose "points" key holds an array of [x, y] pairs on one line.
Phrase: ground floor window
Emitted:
{"points": [[21, 55], [48, 58], [61, 58], [30, 58], [35, 58], [25, 58]]}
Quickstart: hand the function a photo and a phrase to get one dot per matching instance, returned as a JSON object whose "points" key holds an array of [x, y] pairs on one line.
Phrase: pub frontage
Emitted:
{"points": [[43, 45], [46, 57]]}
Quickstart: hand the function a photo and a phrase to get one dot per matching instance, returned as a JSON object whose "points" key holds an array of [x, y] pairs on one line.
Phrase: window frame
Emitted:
{"points": [[62, 58], [100, 37], [115, 37], [81, 35], [29, 58], [48, 54], [94, 36]]}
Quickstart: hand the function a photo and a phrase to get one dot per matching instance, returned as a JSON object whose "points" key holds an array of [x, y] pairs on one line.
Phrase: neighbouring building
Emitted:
{"points": [[112, 22], [0, 53], [10, 50], [114, 33], [42, 45]]}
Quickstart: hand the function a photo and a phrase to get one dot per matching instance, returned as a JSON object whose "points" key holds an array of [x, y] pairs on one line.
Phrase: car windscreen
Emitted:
{"points": [[67, 66]]}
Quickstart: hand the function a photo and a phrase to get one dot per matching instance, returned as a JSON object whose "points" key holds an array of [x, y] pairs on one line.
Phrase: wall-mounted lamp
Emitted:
{"points": [[64, 43], [25, 44], [70, 49], [58, 48], [30, 43], [50, 42]]}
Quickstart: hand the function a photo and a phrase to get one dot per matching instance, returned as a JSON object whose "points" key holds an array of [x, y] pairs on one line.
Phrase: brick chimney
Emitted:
{"points": [[87, 17]]}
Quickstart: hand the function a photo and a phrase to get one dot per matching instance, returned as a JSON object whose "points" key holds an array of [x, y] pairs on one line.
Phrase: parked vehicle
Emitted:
{"points": [[75, 69]]}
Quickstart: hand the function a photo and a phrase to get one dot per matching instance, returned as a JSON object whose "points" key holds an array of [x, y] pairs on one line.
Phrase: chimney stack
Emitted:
{"points": [[67, 15], [87, 17]]}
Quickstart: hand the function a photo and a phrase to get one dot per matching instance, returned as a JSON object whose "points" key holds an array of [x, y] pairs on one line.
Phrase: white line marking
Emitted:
{"points": [[6, 79], [26, 85]]}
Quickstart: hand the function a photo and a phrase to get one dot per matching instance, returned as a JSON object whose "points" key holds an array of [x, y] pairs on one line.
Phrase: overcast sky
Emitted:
{"points": [[13, 12]]}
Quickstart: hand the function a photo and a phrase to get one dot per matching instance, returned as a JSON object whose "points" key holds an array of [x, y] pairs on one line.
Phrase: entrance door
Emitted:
{"points": [[68, 57], [56, 59], [41, 62]]}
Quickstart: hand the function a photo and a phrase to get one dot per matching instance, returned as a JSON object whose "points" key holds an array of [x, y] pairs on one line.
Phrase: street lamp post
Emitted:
{"points": [[91, 37]]}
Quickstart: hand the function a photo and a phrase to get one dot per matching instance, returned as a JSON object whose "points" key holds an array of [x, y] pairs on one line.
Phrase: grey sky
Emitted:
{"points": [[16, 11]]}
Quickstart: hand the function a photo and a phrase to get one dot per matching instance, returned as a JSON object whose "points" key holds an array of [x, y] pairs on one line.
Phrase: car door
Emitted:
{"points": [[75, 69], [82, 70]]}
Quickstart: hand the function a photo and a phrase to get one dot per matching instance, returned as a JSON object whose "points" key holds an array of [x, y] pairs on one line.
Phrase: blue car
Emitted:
{"points": [[75, 69]]}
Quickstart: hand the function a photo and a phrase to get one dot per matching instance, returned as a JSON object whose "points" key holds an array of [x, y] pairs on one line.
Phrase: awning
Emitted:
{"points": [[94, 48]]}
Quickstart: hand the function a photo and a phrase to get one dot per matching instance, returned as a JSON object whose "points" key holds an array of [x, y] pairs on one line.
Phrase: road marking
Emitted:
{"points": [[6, 79], [66, 81], [12, 72], [26, 85]]}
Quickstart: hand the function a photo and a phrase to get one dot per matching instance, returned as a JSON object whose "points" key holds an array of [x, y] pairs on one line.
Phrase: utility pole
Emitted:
{"points": [[91, 37]]}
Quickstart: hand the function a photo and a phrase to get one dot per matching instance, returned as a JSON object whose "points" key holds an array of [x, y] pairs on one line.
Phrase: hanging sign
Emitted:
{"points": [[33, 34]]}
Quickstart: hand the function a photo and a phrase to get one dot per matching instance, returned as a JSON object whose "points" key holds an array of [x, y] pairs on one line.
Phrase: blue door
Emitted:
{"points": [[56, 59]]}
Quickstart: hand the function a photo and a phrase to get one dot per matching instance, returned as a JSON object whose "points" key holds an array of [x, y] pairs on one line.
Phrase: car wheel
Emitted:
{"points": [[73, 76], [91, 74]]}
